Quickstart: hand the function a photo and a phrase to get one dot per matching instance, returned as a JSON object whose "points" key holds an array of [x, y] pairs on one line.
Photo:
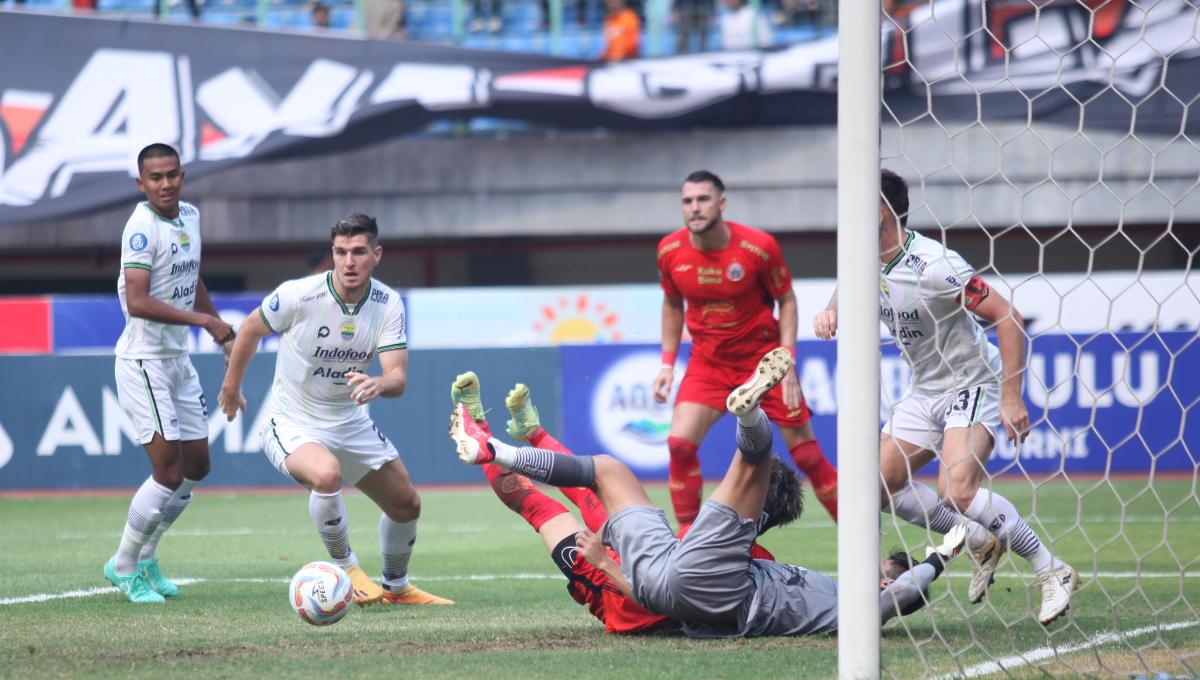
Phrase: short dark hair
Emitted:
{"points": [[894, 190], [900, 563], [705, 176], [354, 224], [785, 496], [156, 150]]}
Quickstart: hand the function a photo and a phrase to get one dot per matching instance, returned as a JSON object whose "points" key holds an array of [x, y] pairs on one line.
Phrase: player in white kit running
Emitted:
{"points": [[161, 295], [963, 388], [333, 325]]}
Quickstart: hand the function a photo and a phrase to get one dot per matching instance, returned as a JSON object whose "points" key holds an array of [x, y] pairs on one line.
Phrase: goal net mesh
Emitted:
{"points": [[1053, 144]]}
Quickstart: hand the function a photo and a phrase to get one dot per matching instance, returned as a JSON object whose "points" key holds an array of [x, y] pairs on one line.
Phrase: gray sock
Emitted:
{"points": [[755, 441], [543, 465]]}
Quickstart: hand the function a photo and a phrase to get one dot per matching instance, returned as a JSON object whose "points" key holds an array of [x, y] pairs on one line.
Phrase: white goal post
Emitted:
{"points": [[858, 338]]}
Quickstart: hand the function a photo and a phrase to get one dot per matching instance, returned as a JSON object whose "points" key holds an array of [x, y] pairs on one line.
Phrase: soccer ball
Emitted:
{"points": [[320, 593]]}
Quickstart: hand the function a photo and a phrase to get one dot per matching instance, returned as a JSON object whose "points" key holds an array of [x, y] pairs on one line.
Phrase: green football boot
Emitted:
{"points": [[524, 414], [465, 390], [135, 587], [161, 584]]}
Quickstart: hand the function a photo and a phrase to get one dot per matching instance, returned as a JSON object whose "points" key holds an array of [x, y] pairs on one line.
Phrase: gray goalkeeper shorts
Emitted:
{"points": [[703, 577]]}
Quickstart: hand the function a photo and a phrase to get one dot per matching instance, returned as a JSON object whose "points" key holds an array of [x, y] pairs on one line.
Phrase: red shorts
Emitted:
{"points": [[709, 384], [592, 588]]}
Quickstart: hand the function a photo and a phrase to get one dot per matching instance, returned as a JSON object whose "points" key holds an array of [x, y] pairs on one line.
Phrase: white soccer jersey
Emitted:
{"points": [[921, 303], [170, 250], [323, 341]]}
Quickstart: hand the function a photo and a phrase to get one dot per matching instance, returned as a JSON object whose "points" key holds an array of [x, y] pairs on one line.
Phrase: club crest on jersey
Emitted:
{"points": [[138, 242], [883, 286], [348, 330], [184, 242], [735, 272]]}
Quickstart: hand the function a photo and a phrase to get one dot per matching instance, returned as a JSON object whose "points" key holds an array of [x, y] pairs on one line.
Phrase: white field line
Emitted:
{"points": [[472, 529], [73, 594], [89, 592], [1010, 663]]}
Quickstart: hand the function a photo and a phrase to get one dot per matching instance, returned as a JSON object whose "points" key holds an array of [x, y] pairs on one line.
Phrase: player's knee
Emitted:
{"points": [[197, 470], [959, 498], [326, 479], [404, 508], [170, 476]]}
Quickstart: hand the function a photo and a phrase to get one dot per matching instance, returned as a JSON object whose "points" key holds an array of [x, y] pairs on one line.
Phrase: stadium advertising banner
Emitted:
{"points": [[66, 429], [75, 116], [1097, 403], [548, 316]]}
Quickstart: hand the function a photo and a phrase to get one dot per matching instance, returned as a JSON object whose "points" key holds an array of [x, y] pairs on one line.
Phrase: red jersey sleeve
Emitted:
{"points": [[667, 246], [776, 277], [757, 552]]}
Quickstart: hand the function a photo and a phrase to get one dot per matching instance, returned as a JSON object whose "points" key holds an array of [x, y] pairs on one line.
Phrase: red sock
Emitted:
{"points": [[823, 476], [589, 506], [522, 497], [686, 481]]}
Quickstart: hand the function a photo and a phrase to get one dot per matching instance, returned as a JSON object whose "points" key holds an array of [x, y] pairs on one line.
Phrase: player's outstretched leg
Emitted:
{"points": [[526, 425], [1058, 585], [754, 430], [549, 467]]}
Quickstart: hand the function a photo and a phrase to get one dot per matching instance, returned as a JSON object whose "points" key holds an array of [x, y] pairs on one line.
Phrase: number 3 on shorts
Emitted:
{"points": [[966, 402]]}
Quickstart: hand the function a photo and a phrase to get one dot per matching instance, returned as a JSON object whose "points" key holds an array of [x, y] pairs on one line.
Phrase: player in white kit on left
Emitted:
{"points": [[333, 324], [161, 295]]}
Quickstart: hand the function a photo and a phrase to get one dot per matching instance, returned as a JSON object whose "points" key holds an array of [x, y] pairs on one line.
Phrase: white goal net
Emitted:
{"points": [[1054, 145]]}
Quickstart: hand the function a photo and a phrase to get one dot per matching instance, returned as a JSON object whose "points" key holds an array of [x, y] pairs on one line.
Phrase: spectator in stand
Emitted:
{"points": [[492, 20], [744, 27], [622, 32], [691, 16], [320, 15], [384, 19]]}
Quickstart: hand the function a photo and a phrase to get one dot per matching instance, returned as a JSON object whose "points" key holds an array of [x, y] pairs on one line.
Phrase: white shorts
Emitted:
{"points": [[358, 445], [923, 419], [163, 396]]}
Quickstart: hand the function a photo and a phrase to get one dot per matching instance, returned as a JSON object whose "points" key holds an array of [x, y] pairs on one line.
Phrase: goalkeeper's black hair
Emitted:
{"points": [[894, 190], [785, 496]]}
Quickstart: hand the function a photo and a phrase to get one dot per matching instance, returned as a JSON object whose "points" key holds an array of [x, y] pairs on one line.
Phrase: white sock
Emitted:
{"points": [[171, 511], [145, 512], [750, 419], [328, 512], [396, 541], [1000, 517]]}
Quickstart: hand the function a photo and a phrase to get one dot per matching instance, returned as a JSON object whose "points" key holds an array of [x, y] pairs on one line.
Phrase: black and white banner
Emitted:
{"points": [[80, 96]]}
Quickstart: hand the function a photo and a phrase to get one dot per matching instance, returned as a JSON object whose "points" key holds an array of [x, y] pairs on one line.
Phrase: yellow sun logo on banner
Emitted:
{"points": [[577, 321]]}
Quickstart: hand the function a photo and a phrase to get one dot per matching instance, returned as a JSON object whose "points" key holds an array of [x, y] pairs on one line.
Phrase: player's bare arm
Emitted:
{"points": [[145, 306], [994, 308], [593, 551], [204, 304], [252, 330], [789, 319], [825, 322], [393, 381], [672, 331]]}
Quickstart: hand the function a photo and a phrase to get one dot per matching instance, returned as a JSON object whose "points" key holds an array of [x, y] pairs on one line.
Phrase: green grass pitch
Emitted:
{"points": [[1137, 547]]}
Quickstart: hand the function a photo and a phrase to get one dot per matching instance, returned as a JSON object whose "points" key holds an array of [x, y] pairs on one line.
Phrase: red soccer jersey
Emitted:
{"points": [[729, 293], [592, 588]]}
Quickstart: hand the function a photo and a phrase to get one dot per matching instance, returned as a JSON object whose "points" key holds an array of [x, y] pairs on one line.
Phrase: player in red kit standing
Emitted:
{"points": [[730, 276]]}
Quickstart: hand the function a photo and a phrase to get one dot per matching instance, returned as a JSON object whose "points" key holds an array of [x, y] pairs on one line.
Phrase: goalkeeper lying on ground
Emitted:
{"points": [[707, 580]]}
